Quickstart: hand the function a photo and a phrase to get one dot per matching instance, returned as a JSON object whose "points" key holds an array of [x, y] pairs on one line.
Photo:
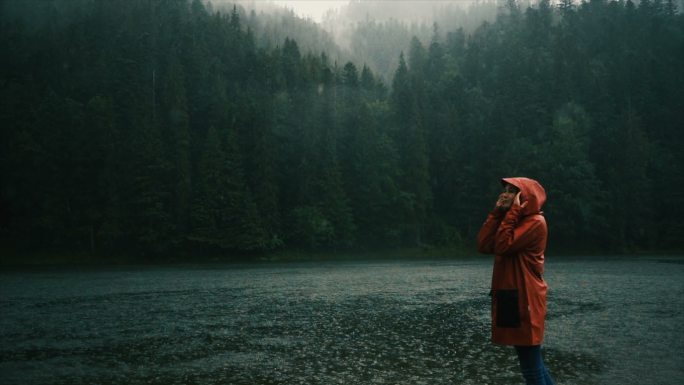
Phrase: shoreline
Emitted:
{"points": [[38, 259], [64, 259]]}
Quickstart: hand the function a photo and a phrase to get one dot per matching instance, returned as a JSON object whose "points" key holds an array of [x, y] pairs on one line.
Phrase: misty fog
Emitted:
{"points": [[366, 32]]}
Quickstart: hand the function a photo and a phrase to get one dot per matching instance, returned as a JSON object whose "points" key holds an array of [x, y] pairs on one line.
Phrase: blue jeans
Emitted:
{"points": [[532, 365]]}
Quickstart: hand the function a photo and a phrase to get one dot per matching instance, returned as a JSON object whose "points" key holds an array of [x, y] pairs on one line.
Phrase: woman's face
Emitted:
{"points": [[507, 195], [510, 189]]}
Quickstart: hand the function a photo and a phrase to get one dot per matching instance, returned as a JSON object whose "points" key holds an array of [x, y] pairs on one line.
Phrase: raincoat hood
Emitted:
{"points": [[531, 191]]}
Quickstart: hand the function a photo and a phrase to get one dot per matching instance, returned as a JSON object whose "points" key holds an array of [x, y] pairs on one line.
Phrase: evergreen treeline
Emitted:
{"points": [[375, 30], [272, 24], [157, 127]]}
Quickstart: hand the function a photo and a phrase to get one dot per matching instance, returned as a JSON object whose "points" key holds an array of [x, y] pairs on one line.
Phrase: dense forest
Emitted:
{"points": [[170, 127]]}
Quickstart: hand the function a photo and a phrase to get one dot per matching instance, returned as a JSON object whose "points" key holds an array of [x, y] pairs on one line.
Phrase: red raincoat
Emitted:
{"points": [[517, 238]]}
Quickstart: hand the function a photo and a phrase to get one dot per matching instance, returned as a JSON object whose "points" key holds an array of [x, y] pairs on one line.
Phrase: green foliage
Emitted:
{"points": [[164, 126], [223, 213], [577, 199]]}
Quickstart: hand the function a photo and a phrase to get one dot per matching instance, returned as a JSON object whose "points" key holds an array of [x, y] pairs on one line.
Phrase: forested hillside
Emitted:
{"points": [[158, 128], [374, 31]]}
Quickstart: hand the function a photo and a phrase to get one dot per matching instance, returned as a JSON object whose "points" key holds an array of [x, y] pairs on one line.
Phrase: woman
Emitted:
{"points": [[515, 232]]}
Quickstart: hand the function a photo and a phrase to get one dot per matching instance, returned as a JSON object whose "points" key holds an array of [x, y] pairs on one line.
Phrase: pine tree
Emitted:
{"points": [[409, 135], [176, 131], [576, 209], [224, 215]]}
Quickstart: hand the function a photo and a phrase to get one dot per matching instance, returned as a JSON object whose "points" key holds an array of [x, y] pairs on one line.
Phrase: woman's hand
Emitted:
{"points": [[504, 202], [516, 200]]}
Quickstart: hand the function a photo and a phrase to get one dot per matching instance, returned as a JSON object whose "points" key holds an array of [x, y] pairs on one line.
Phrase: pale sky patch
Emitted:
{"points": [[314, 9]]}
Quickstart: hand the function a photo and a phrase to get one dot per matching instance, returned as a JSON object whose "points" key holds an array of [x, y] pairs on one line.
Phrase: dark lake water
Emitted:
{"points": [[611, 321]]}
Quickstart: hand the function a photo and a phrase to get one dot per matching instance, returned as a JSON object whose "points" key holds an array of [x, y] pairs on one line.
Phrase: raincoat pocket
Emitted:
{"points": [[507, 313]]}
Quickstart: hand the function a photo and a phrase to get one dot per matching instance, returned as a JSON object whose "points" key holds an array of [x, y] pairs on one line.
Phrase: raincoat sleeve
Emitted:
{"points": [[485, 238], [511, 238]]}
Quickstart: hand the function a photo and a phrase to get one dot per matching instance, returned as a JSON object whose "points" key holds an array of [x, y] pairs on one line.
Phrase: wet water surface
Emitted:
{"points": [[424, 322]]}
